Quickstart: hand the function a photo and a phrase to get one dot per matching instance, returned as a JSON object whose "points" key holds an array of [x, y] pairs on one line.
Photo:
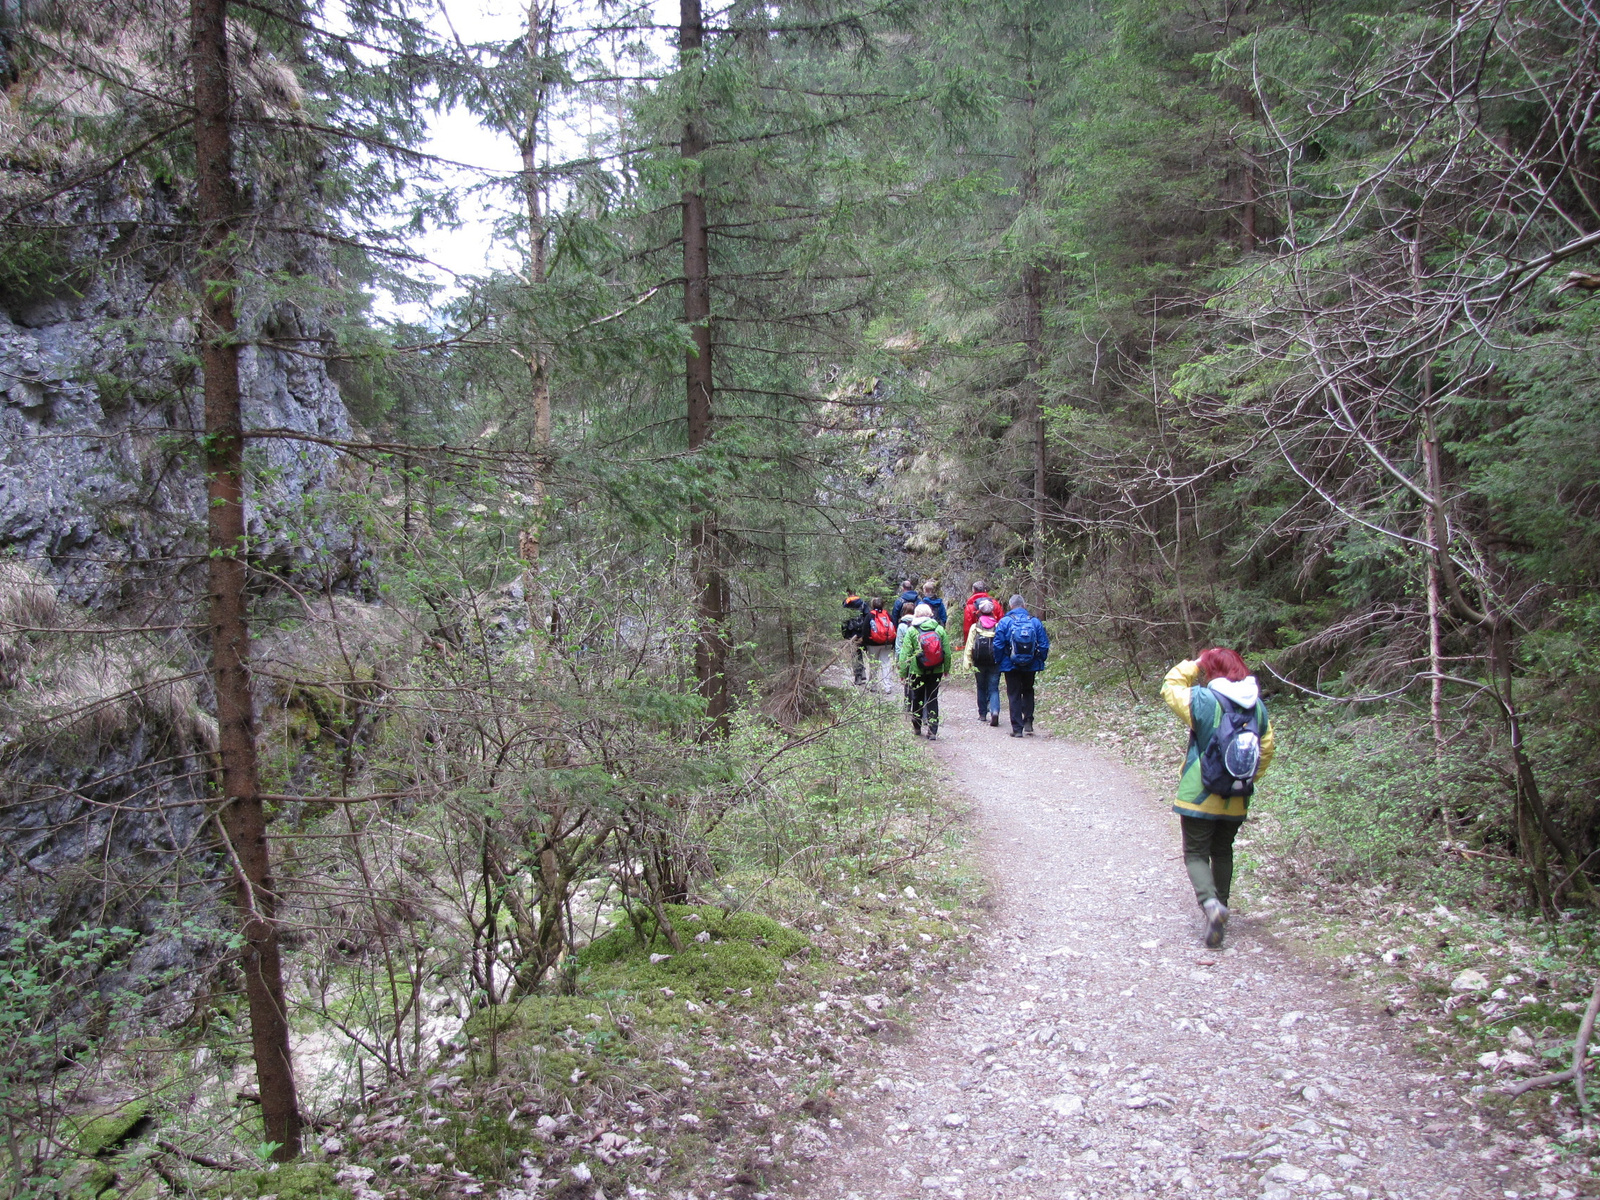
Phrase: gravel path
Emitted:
{"points": [[1097, 1050]]}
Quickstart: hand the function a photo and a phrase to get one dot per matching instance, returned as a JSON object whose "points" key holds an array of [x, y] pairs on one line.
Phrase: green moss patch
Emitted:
{"points": [[291, 1181], [738, 952], [106, 1130]]}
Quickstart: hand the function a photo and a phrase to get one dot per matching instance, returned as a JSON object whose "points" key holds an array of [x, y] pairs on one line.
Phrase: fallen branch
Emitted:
{"points": [[1483, 854], [1585, 1032], [1538, 1081], [1580, 1052], [199, 1160], [177, 1185]]}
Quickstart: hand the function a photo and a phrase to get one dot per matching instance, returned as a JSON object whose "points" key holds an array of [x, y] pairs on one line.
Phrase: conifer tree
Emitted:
{"points": [[243, 816]]}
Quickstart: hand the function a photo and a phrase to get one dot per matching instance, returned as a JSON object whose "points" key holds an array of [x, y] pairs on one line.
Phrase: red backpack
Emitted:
{"points": [[932, 652], [880, 632]]}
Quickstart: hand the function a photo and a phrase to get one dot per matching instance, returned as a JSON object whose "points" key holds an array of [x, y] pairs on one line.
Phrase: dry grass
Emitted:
{"points": [[59, 687]]}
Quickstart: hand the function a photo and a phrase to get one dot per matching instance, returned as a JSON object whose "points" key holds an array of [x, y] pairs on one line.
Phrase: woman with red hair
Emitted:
{"points": [[1230, 745]]}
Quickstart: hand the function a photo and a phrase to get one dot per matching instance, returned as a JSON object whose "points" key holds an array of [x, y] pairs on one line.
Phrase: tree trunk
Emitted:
{"points": [[1033, 324], [1033, 339], [1430, 459], [1247, 237], [243, 818], [1430, 451], [530, 540], [1530, 798], [711, 646], [1247, 206], [788, 614]]}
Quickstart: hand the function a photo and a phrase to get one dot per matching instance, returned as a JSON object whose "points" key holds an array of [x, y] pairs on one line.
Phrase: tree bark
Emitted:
{"points": [[243, 818], [1033, 324], [711, 645], [1247, 222], [1247, 206], [1033, 340], [530, 541], [1430, 458]]}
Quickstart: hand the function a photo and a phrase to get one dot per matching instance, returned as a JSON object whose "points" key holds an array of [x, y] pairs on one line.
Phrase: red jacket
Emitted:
{"points": [[969, 615]]}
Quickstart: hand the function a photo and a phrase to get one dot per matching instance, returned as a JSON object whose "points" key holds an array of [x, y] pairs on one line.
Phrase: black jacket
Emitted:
{"points": [[856, 625]]}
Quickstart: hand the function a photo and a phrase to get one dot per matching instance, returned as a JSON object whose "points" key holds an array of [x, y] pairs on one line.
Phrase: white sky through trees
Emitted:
{"points": [[485, 186]]}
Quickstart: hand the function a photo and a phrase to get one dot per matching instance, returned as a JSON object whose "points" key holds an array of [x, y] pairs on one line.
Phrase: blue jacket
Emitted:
{"points": [[940, 613], [1002, 641], [904, 603]]}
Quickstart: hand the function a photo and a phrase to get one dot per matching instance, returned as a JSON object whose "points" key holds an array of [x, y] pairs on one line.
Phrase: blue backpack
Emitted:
{"points": [[1024, 642]]}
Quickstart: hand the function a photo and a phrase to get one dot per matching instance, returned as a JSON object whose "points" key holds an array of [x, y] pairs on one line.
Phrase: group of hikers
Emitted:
{"points": [[1213, 694], [909, 642]]}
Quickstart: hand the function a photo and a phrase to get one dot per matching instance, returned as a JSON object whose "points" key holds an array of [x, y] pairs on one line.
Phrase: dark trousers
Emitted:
{"points": [[1208, 854], [858, 658], [925, 702], [988, 691], [1019, 696]]}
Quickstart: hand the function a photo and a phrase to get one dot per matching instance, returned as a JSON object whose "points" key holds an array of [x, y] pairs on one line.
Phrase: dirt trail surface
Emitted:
{"points": [[1097, 1050]]}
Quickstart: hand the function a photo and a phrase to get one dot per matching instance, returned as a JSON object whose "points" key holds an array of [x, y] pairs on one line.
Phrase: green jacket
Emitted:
{"points": [[911, 646], [1197, 708]]}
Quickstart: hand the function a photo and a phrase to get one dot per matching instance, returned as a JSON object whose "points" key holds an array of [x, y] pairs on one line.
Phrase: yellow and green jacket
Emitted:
{"points": [[1196, 706]]}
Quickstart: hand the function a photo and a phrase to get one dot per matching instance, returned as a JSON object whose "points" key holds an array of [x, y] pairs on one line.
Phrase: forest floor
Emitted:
{"points": [[1094, 1048]]}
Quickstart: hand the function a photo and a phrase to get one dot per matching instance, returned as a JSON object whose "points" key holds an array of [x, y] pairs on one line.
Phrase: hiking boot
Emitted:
{"points": [[933, 732], [1027, 728], [916, 728], [994, 719], [1016, 733], [1216, 922]]}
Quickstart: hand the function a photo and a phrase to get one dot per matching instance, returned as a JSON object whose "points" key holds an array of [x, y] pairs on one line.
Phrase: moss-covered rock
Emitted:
{"points": [[92, 1181], [744, 950], [109, 1128]]}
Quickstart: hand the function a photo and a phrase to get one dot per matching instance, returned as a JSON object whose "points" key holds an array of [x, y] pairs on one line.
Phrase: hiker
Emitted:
{"points": [[980, 660], [930, 597], [905, 603], [1230, 746], [969, 612], [924, 660], [903, 634], [1021, 647], [880, 645], [854, 628]]}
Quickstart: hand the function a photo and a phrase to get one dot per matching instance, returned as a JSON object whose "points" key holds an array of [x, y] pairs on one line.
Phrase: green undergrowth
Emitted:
{"points": [[721, 953], [832, 896], [291, 1181], [1348, 855], [843, 888]]}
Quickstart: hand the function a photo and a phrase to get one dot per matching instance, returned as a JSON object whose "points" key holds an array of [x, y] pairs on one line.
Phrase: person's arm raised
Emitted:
{"points": [[1175, 688]]}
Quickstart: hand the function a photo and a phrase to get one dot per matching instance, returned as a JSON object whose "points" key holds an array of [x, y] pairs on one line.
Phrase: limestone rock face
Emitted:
{"points": [[105, 741], [101, 486]]}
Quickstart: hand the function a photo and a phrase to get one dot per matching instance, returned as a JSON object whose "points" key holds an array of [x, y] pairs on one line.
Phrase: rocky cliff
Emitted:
{"points": [[105, 741], [100, 486]]}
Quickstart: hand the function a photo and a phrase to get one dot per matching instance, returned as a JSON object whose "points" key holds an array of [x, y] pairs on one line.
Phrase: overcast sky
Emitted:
{"points": [[459, 136]]}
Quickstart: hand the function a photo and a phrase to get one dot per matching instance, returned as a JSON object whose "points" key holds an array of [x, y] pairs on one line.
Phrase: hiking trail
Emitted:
{"points": [[1095, 1049]]}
